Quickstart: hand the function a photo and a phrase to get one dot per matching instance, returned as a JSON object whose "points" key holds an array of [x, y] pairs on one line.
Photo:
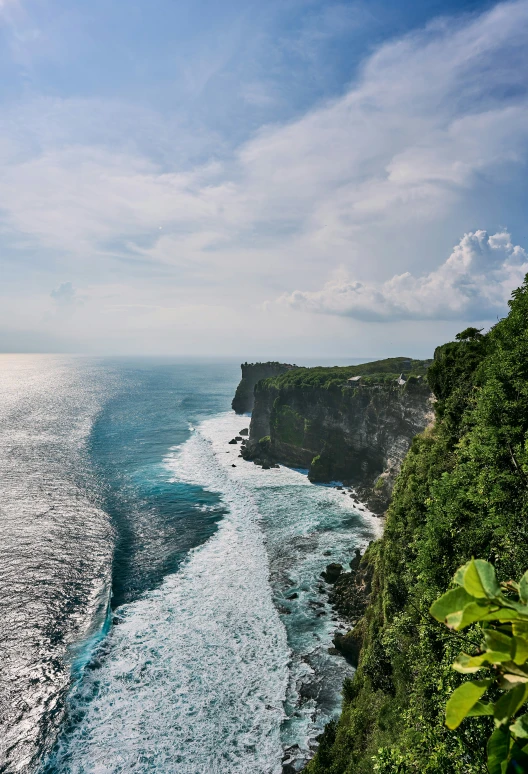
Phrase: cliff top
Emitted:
{"points": [[376, 371]]}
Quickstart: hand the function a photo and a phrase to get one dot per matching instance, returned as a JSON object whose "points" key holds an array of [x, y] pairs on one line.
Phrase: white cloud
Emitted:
{"points": [[409, 140], [402, 157], [474, 283]]}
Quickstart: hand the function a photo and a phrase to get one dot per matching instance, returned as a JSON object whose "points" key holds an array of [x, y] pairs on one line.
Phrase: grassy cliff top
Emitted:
{"points": [[326, 377]]}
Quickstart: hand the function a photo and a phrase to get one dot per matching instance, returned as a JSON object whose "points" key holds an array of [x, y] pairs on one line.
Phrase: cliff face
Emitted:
{"points": [[355, 433], [251, 374]]}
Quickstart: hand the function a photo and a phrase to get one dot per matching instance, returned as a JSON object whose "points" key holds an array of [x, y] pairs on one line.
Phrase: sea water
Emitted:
{"points": [[215, 654]]}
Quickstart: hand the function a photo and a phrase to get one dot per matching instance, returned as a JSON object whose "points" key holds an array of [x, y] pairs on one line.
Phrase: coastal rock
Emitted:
{"points": [[349, 645], [354, 564], [332, 572]]}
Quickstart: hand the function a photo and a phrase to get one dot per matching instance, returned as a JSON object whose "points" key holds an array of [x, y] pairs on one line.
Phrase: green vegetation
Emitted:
{"points": [[288, 425], [501, 611], [336, 376], [462, 492]]}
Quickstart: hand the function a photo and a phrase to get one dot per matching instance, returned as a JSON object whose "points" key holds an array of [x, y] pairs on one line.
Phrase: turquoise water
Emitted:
{"points": [[170, 562]]}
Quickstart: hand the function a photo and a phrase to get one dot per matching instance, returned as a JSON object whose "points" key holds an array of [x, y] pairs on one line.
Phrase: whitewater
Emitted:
{"points": [[203, 673]]}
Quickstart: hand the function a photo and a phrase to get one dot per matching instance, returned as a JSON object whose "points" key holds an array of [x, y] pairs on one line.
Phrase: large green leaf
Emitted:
{"points": [[463, 699], [498, 749], [520, 727], [471, 613], [510, 703], [454, 601], [479, 579]]}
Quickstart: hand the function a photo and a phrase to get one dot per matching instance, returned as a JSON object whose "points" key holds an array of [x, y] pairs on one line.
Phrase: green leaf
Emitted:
{"points": [[520, 628], [520, 727], [523, 588], [498, 749], [503, 615], [459, 575], [521, 650], [471, 664], [510, 703], [474, 611], [497, 641], [480, 709], [463, 699], [518, 760], [453, 601], [479, 579], [464, 665]]}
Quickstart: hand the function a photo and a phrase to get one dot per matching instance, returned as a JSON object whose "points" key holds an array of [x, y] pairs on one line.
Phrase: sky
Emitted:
{"points": [[293, 178]]}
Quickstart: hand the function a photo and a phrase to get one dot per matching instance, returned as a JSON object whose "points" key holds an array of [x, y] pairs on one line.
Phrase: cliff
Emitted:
{"points": [[356, 431], [462, 492], [252, 373]]}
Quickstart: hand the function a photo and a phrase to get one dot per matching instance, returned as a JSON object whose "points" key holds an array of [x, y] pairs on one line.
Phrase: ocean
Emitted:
{"points": [[160, 599]]}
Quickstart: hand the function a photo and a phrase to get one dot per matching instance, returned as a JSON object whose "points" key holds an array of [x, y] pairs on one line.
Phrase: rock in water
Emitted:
{"points": [[332, 572]]}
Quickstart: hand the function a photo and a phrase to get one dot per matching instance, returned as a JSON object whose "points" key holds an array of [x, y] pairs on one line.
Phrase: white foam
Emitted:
{"points": [[301, 523], [194, 676]]}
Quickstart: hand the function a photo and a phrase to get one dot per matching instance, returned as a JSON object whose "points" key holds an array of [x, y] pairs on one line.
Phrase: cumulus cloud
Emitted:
{"points": [[474, 283]]}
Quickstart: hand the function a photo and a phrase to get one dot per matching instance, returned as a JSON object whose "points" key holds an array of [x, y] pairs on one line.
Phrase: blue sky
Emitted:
{"points": [[259, 179]]}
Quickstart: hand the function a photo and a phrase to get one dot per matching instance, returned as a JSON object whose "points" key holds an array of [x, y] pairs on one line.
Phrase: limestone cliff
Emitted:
{"points": [[351, 424], [251, 374]]}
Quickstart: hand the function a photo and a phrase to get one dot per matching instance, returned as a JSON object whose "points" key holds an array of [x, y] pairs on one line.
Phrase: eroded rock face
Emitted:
{"points": [[252, 373], [356, 435]]}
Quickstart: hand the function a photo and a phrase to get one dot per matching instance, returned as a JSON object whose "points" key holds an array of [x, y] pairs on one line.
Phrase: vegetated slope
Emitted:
{"points": [[252, 373], [462, 492], [354, 431]]}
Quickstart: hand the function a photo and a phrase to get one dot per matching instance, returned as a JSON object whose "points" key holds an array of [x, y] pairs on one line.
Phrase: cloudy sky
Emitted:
{"points": [[288, 178]]}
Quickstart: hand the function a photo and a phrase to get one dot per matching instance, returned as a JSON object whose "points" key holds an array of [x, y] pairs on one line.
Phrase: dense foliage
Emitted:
{"points": [[462, 492], [328, 377]]}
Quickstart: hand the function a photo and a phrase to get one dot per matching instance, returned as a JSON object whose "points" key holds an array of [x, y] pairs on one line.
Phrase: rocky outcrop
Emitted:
{"points": [[251, 374], [356, 432]]}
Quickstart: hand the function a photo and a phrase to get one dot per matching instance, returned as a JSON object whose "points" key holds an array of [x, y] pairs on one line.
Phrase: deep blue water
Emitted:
{"points": [[157, 521], [144, 575]]}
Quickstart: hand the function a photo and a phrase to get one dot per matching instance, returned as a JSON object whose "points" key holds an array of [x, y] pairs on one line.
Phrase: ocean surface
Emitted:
{"points": [[146, 576]]}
